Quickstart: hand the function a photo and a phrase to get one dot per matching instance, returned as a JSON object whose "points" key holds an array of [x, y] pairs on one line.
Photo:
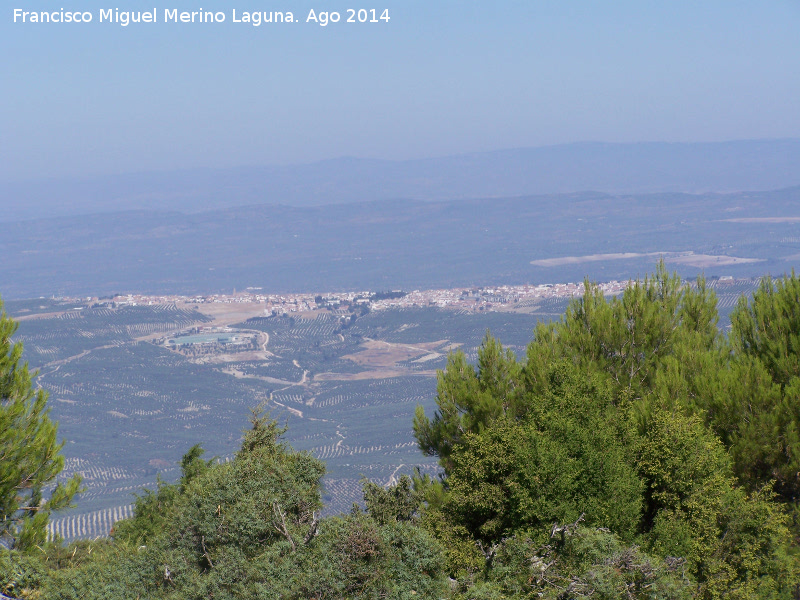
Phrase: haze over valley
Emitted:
{"points": [[408, 244], [135, 380], [448, 300], [164, 325]]}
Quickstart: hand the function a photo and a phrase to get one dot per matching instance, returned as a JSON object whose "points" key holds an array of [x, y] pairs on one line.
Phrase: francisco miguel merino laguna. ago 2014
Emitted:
{"points": [[173, 15]]}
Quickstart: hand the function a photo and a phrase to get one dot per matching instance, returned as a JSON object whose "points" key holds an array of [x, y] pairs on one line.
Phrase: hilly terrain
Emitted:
{"points": [[402, 244], [130, 404], [638, 168]]}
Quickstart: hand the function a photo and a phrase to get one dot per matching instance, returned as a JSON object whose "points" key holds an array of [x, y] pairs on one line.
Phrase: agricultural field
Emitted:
{"points": [[729, 292], [129, 405], [54, 337]]}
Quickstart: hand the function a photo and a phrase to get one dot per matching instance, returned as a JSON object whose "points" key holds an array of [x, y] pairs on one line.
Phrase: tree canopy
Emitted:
{"points": [[251, 529], [30, 454], [634, 451], [634, 415]]}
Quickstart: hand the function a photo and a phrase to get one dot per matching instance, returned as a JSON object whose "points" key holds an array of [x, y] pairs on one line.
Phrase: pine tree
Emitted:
{"points": [[30, 455], [769, 327], [765, 335]]}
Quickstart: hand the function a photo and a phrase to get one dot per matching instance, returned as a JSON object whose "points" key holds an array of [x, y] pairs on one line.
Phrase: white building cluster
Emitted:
{"points": [[504, 297]]}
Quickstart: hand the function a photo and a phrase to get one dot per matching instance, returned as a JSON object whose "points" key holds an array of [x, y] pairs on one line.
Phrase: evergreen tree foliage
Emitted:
{"points": [[153, 509], [30, 454], [577, 562], [397, 504], [250, 529], [20, 572], [356, 557], [636, 413], [765, 337], [768, 327], [635, 452], [629, 338], [571, 455], [732, 541], [625, 340], [469, 399]]}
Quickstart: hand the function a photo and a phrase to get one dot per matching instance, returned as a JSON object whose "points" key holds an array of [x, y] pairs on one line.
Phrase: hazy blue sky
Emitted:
{"points": [[441, 77]]}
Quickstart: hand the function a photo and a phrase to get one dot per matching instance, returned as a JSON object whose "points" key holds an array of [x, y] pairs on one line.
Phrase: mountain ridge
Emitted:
{"points": [[615, 168], [400, 244]]}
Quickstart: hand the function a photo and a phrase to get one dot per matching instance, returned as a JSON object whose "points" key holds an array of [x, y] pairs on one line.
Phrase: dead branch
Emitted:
{"points": [[205, 552], [567, 529], [281, 527], [312, 532]]}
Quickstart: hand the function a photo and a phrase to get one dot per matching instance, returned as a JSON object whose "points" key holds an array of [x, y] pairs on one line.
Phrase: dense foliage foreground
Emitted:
{"points": [[636, 452]]}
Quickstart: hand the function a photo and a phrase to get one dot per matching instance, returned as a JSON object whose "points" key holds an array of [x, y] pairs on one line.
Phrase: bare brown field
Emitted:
{"points": [[708, 260], [427, 357], [573, 260], [226, 357], [763, 220], [226, 313], [385, 354], [683, 258], [375, 374], [239, 375], [512, 308], [236, 312], [23, 317]]}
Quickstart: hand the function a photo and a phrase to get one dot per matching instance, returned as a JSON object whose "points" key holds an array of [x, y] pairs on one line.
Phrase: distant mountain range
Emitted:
{"points": [[406, 244], [601, 167]]}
